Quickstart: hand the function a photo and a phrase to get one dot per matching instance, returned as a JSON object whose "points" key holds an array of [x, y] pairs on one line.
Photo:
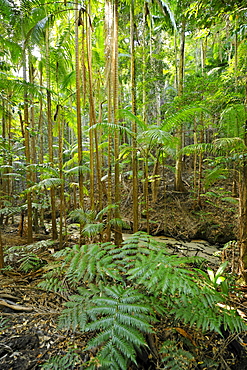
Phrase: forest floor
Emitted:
{"points": [[28, 314]]}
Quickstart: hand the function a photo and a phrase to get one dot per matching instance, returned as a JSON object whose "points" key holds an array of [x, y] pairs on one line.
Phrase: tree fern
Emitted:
{"points": [[27, 256], [92, 223], [74, 315], [134, 245], [69, 361], [31, 262], [188, 292], [82, 265], [121, 321], [175, 358], [121, 290]]}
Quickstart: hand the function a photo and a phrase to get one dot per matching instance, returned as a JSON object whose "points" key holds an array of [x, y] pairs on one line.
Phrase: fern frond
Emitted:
{"points": [[74, 315], [89, 263], [176, 358], [161, 272], [93, 229], [120, 331], [30, 262], [70, 360], [53, 284]]}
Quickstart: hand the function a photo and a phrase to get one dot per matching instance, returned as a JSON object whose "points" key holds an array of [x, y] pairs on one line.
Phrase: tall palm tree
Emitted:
{"points": [[134, 126], [78, 103], [115, 84]]}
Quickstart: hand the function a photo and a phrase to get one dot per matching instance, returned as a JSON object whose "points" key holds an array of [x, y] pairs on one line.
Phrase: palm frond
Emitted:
{"points": [[156, 136], [228, 145], [77, 169], [166, 10], [82, 216], [111, 128], [105, 210], [46, 184], [128, 114], [215, 174], [36, 33], [6, 7], [231, 120], [186, 114]]}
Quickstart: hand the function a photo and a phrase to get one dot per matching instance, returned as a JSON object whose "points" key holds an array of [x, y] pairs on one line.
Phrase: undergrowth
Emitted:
{"points": [[119, 294]]}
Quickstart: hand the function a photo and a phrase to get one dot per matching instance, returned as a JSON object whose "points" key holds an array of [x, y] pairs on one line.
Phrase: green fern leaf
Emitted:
{"points": [[121, 329]]}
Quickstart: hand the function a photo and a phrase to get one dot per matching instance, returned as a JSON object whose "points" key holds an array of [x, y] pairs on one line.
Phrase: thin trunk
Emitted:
{"points": [[243, 206], [109, 172], [144, 95], [200, 162], [118, 229], [28, 156], [195, 164], [91, 107], [155, 178], [146, 192], [33, 153], [178, 171], [62, 223], [50, 135], [41, 139], [78, 106], [93, 134], [3, 191], [134, 127], [234, 182], [1, 252], [108, 58]]}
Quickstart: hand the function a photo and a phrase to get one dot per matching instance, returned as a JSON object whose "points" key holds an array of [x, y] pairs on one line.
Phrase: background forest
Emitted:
{"points": [[126, 115]]}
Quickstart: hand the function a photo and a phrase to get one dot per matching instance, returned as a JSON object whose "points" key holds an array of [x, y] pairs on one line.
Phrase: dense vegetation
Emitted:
{"points": [[99, 99]]}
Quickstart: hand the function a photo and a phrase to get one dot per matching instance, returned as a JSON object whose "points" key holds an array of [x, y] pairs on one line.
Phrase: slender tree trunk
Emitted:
{"points": [[178, 171], [28, 156], [234, 181], [3, 191], [134, 127], [78, 106], [155, 178], [33, 153], [144, 95], [108, 55], [62, 223], [146, 191], [41, 139], [93, 133], [118, 229], [243, 206], [50, 135], [1, 252]]}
